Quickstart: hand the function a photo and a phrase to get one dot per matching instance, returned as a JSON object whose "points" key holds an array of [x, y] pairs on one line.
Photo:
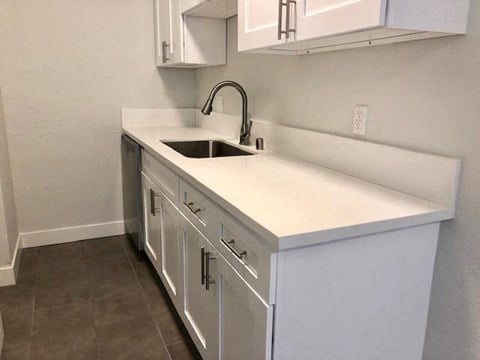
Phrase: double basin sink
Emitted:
{"points": [[205, 149]]}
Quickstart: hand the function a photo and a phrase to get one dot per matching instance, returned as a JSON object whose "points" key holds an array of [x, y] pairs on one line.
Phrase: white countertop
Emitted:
{"points": [[289, 203]]}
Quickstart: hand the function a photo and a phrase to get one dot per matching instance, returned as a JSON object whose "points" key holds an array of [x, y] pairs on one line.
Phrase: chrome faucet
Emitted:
{"points": [[246, 125]]}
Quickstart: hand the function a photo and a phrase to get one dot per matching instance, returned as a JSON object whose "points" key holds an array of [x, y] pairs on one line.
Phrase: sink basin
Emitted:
{"points": [[205, 149]]}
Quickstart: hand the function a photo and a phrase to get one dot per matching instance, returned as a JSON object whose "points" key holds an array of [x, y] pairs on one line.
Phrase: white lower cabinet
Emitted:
{"points": [[170, 245], [162, 236], [226, 318], [150, 192], [245, 321], [240, 299], [199, 298]]}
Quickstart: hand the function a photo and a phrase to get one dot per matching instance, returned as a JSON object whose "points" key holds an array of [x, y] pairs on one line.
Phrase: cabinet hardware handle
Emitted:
{"points": [[153, 209], [288, 9], [189, 206], [288, 29], [280, 19], [202, 264], [208, 282], [165, 45], [230, 245]]}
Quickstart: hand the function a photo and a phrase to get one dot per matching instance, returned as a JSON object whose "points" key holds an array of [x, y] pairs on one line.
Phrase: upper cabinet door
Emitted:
{"points": [[168, 32], [260, 23], [320, 18]]}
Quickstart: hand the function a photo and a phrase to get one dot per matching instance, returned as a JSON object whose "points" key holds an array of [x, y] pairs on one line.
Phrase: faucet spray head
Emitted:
{"points": [[208, 107]]}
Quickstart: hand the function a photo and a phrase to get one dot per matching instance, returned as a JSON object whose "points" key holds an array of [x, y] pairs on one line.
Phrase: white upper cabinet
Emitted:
{"points": [[260, 24], [305, 26], [210, 8], [186, 41], [168, 27], [319, 18]]}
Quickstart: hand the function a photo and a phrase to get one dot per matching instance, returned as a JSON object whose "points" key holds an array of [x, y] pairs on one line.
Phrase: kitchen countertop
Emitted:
{"points": [[289, 203]]}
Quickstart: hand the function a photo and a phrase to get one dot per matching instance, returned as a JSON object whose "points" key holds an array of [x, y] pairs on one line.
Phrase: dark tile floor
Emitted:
{"points": [[94, 299]]}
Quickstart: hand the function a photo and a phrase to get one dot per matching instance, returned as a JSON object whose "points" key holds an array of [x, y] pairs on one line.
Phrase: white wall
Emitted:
{"points": [[422, 95], [8, 215], [66, 68]]}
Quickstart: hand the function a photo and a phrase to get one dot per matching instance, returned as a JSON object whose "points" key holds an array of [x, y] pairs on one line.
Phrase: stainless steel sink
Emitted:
{"points": [[205, 149]]}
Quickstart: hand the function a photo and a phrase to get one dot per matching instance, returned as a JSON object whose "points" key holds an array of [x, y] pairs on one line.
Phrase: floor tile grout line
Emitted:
{"points": [[142, 290]]}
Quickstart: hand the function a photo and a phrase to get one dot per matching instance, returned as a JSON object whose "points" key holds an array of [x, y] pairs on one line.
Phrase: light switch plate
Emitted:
{"points": [[360, 118]]}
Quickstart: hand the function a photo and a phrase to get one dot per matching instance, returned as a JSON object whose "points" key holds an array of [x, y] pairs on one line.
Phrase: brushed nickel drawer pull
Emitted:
{"points": [[189, 206], [230, 245], [153, 209], [202, 265], [208, 281]]}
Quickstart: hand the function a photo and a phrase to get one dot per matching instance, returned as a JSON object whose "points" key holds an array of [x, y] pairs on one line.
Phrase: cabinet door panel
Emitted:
{"points": [[168, 32], [170, 246], [152, 218], [258, 24], [198, 302], [320, 18], [245, 320]]}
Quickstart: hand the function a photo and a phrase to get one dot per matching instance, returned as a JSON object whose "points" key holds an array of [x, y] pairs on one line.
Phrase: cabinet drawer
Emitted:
{"points": [[165, 177], [196, 207], [254, 260]]}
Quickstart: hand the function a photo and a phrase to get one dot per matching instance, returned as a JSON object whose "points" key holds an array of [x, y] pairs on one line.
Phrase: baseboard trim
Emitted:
{"points": [[70, 234], [8, 274]]}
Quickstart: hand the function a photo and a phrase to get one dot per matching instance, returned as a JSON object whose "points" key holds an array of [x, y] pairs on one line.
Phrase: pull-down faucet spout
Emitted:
{"points": [[246, 125]]}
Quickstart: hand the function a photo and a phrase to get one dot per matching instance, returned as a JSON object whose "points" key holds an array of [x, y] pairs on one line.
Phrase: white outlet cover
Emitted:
{"points": [[360, 119]]}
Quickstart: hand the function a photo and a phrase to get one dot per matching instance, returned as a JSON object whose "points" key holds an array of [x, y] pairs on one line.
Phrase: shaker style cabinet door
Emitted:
{"points": [[168, 32], [245, 330], [152, 218], [170, 242], [320, 18], [199, 292], [260, 24]]}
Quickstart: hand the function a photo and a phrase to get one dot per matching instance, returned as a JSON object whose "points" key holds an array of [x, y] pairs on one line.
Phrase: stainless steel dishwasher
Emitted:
{"points": [[132, 190]]}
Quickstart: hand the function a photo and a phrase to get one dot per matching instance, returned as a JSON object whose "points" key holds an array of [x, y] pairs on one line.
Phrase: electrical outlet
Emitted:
{"points": [[218, 104], [360, 119]]}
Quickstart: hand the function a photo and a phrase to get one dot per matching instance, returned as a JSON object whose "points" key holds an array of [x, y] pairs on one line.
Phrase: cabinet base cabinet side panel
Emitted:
{"points": [[367, 296]]}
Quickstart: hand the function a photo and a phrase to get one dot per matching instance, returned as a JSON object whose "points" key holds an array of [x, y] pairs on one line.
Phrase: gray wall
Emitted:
{"points": [[8, 214], [66, 69], [422, 95]]}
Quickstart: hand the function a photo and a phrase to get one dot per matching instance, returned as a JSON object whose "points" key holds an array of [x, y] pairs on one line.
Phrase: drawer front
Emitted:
{"points": [[246, 253], [196, 207], [165, 177]]}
